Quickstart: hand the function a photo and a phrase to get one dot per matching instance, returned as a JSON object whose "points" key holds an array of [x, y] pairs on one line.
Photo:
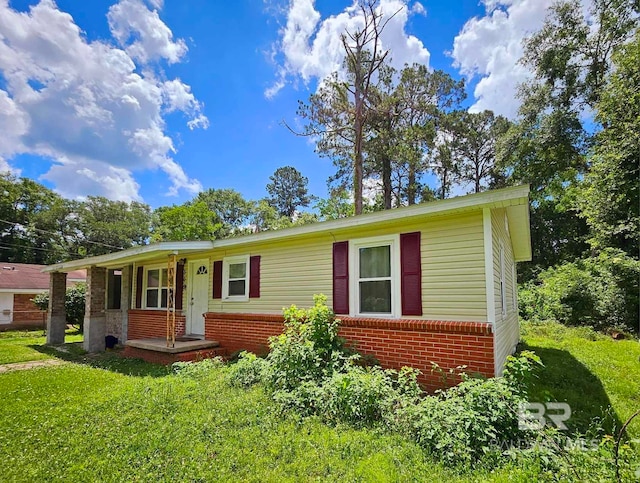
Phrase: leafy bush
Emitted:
{"points": [[356, 396], [74, 304], [469, 421], [247, 371], [310, 372], [309, 349], [601, 292]]}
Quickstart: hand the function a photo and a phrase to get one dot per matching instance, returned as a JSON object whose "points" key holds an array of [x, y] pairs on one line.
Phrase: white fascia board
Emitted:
{"points": [[496, 198], [503, 197], [112, 259]]}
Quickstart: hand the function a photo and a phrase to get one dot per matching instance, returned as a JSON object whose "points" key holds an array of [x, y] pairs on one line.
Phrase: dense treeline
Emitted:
{"points": [[39, 226], [403, 137]]}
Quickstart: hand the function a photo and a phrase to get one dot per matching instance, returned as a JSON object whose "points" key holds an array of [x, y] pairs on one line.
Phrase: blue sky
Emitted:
{"points": [[69, 122]]}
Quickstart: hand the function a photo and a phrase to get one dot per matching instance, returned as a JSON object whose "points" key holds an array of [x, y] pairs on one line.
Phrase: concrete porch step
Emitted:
{"points": [[166, 358], [160, 345]]}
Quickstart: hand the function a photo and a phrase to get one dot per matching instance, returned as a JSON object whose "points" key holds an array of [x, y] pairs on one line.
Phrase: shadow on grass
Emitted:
{"points": [[565, 379], [109, 360]]}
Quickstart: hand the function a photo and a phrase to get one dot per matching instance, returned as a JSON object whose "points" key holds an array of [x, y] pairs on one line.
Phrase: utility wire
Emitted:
{"points": [[9, 246], [59, 234]]}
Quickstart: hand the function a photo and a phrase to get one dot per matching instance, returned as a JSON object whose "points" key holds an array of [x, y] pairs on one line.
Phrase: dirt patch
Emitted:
{"points": [[21, 366]]}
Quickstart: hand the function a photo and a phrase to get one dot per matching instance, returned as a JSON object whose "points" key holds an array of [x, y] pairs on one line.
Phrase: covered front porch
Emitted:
{"points": [[113, 310]]}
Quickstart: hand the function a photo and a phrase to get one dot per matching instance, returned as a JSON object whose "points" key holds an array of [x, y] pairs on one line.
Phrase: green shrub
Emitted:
{"points": [[309, 349], [471, 420], [601, 292], [247, 371], [356, 396], [74, 304]]}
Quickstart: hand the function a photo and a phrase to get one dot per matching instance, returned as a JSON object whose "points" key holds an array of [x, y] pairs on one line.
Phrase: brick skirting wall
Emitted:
{"points": [[147, 324], [393, 342], [236, 332]]}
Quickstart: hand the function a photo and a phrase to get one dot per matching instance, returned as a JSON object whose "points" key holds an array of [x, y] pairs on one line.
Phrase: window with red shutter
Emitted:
{"points": [[341, 277], [411, 273]]}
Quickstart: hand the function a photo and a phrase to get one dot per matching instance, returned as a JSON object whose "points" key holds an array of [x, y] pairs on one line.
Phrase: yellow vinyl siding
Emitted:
{"points": [[507, 329], [452, 268], [292, 271]]}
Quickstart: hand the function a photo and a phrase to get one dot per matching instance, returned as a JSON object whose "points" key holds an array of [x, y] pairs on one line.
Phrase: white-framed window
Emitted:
{"points": [[235, 279], [503, 288], [155, 287], [375, 265]]}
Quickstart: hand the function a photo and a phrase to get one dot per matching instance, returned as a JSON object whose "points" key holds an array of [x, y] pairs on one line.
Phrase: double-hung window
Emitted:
{"points": [[156, 288], [377, 276], [235, 279]]}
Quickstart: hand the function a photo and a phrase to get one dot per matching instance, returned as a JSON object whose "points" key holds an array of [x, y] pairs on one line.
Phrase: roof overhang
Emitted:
{"points": [[514, 199], [137, 254]]}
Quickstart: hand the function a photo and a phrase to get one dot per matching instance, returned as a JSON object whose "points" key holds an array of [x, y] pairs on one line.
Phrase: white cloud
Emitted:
{"points": [[491, 46], [311, 47], [152, 39], [97, 110], [418, 9]]}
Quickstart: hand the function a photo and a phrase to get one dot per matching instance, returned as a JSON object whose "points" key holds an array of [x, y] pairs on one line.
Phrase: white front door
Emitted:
{"points": [[197, 296]]}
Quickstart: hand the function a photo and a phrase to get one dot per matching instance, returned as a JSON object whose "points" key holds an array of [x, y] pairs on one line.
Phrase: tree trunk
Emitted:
{"points": [[444, 185], [386, 181], [411, 185]]}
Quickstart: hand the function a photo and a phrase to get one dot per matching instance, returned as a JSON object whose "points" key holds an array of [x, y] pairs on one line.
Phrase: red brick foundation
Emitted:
{"points": [[147, 324], [393, 342], [236, 332]]}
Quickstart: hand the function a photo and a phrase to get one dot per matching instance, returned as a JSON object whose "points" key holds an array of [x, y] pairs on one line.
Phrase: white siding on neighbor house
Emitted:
{"points": [[507, 327], [6, 307]]}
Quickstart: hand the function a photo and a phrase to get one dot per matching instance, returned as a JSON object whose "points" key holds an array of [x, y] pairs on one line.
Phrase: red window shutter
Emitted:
{"points": [[341, 277], [139, 281], [254, 276], [411, 273], [217, 279], [179, 285]]}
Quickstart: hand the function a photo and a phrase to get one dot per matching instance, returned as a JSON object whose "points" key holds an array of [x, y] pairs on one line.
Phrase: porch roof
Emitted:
{"points": [[514, 199]]}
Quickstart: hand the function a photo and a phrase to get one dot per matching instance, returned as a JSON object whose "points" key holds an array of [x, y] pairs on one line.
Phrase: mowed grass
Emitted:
{"points": [[22, 346], [78, 423], [588, 370], [110, 419]]}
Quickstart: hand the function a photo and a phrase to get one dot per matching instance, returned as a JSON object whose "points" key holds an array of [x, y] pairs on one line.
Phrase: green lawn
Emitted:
{"points": [[21, 346], [108, 419], [588, 370]]}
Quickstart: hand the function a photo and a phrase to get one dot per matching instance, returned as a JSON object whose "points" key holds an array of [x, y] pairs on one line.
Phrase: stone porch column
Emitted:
{"points": [[56, 313], [125, 300], [95, 320]]}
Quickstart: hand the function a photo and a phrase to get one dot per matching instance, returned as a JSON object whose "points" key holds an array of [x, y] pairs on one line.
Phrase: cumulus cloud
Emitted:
{"points": [[310, 47], [418, 9], [491, 46], [96, 109]]}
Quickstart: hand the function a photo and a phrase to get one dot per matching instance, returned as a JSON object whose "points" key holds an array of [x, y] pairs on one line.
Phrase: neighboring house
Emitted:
{"points": [[19, 284], [429, 283]]}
